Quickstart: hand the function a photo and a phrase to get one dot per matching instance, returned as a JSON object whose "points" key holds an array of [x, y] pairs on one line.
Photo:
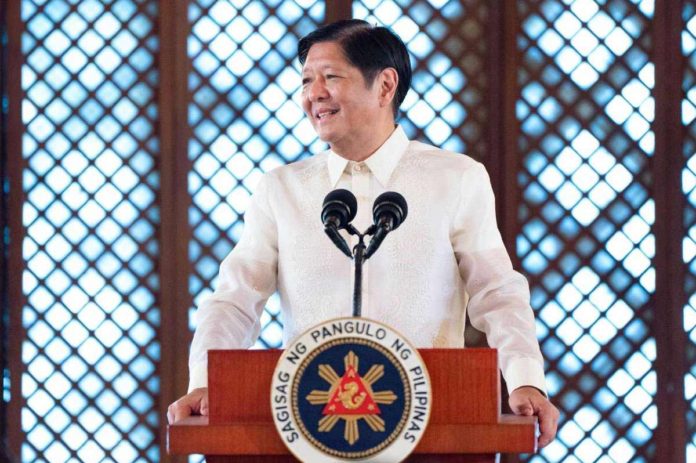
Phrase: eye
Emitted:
{"points": [[331, 76]]}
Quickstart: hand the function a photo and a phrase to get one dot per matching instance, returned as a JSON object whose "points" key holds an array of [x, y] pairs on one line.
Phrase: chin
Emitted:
{"points": [[327, 136]]}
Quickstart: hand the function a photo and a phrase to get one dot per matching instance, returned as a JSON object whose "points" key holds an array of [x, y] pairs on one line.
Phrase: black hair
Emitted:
{"points": [[369, 48]]}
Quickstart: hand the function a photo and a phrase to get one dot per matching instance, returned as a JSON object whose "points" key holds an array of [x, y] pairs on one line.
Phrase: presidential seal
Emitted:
{"points": [[351, 389]]}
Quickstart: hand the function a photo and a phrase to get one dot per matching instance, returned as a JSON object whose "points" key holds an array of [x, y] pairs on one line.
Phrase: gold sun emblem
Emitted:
{"points": [[350, 397]]}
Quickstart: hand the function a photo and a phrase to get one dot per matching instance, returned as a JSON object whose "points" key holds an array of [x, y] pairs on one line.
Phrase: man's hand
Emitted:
{"points": [[193, 403], [528, 401]]}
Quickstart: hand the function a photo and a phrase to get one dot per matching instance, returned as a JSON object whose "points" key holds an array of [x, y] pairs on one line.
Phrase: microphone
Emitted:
{"points": [[389, 211], [340, 207]]}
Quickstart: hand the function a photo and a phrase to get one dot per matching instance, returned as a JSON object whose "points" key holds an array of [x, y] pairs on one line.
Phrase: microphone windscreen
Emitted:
{"points": [[342, 201], [393, 203]]}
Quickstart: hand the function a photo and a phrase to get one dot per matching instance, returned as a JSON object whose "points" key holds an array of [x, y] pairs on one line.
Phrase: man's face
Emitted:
{"points": [[336, 98]]}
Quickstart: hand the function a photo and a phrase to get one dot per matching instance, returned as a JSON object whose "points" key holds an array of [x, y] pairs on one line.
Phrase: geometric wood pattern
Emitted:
{"points": [[688, 116], [244, 121], [91, 350], [447, 105], [586, 214]]}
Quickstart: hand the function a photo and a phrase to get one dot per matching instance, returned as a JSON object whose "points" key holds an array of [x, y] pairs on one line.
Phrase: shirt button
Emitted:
{"points": [[357, 167]]}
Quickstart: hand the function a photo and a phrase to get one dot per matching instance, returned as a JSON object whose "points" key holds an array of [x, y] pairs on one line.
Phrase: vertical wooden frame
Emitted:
{"points": [[503, 128], [15, 164], [668, 326], [335, 10], [174, 165], [4, 302]]}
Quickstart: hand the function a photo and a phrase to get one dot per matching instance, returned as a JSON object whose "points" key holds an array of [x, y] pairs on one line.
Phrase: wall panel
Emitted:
{"points": [[587, 213], [91, 351]]}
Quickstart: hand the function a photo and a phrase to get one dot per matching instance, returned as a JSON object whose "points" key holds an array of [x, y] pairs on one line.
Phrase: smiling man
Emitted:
{"points": [[352, 106], [447, 260]]}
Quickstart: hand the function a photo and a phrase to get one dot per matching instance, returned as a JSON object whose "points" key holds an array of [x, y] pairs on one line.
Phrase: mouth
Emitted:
{"points": [[325, 114]]}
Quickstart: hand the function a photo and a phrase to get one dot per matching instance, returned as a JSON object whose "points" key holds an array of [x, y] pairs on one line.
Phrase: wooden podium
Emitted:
{"points": [[465, 423]]}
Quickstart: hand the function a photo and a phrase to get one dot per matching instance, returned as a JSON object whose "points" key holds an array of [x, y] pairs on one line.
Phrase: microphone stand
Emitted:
{"points": [[359, 257]]}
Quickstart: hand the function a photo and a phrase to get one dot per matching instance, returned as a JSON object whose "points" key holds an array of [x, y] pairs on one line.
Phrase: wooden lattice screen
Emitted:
{"points": [[91, 218], [244, 122], [688, 119], [144, 126], [448, 102], [586, 215]]}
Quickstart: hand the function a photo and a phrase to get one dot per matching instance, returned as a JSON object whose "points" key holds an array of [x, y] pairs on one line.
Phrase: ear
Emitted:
{"points": [[388, 82]]}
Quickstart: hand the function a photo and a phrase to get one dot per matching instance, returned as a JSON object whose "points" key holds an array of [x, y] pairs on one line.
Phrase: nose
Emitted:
{"points": [[316, 90]]}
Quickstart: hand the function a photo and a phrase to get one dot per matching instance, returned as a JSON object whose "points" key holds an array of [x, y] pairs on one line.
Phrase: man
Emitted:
{"points": [[447, 258]]}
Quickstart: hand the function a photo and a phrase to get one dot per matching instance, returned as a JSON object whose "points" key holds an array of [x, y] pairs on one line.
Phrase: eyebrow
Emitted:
{"points": [[327, 66]]}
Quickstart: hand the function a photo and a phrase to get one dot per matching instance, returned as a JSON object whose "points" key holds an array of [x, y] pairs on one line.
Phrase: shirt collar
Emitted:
{"points": [[381, 163]]}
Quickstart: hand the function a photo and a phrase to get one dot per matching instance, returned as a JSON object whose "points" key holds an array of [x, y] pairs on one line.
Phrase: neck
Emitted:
{"points": [[359, 150]]}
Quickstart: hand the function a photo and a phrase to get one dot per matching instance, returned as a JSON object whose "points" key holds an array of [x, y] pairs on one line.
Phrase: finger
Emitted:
{"points": [[181, 411], [525, 409], [521, 407], [173, 413], [548, 424], [204, 405]]}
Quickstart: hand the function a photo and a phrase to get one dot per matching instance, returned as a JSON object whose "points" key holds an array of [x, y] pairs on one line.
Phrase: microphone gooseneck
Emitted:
{"points": [[340, 206]]}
